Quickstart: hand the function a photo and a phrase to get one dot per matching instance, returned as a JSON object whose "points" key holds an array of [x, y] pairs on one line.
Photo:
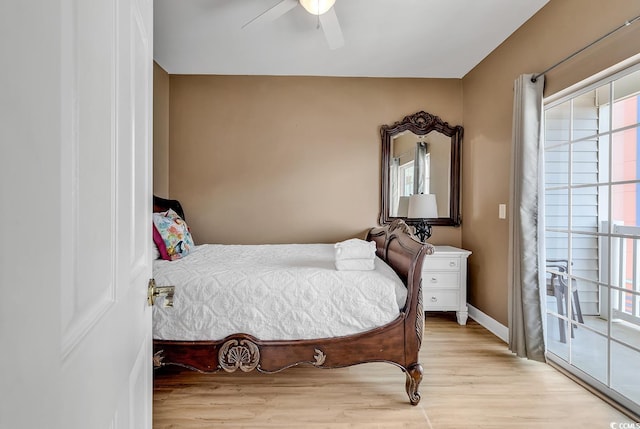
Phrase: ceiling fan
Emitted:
{"points": [[323, 9]]}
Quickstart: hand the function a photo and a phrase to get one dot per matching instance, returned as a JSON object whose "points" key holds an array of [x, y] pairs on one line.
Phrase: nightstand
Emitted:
{"points": [[444, 281]]}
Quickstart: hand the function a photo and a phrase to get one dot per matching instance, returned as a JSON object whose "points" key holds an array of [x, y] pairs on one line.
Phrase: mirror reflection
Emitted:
{"points": [[419, 164], [421, 156]]}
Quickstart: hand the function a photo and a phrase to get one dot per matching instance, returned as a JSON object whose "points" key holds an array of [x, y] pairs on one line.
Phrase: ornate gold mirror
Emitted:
{"points": [[421, 155]]}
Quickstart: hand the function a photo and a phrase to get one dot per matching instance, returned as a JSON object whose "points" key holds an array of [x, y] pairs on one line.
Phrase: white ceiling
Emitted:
{"points": [[382, 38]]}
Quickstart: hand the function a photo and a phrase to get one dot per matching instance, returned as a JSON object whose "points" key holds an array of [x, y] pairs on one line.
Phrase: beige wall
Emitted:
{"points": [[258, 159], [560, 28], [160, 131]]}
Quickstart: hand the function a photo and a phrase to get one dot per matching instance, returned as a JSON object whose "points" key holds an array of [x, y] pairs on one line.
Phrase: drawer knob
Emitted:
{"points": [[452, 263], [434, 280], [434, 299]]}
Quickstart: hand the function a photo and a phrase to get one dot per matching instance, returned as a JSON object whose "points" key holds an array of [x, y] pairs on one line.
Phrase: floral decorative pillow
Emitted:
{"points": [[171, 235]]}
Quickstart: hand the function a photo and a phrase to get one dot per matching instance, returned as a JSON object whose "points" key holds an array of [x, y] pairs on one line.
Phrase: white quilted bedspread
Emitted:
{"points": [[273, 292]]}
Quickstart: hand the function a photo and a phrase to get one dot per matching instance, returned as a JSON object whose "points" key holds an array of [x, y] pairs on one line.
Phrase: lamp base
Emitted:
{"points": [[423, 230]]}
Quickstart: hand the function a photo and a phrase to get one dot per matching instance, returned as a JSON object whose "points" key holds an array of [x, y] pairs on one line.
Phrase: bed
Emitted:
{"points": [[395, 338]]}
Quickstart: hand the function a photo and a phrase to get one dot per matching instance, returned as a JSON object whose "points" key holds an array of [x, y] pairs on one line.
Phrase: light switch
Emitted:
{"points": [[502, 211]]}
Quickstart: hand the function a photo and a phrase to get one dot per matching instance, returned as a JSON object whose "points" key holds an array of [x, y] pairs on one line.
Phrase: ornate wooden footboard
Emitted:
{"points": [[397, 342]]}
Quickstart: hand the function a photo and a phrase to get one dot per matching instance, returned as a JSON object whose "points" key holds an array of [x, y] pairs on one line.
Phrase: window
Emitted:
{"points": [[592, 234], [406, 179]]}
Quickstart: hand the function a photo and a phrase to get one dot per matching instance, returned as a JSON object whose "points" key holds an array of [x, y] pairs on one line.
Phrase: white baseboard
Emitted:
{"points": [[492, 325]]}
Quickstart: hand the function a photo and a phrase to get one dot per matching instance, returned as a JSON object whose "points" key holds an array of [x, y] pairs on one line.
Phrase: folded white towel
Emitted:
{"points": [[355, 248], [355, 264]]}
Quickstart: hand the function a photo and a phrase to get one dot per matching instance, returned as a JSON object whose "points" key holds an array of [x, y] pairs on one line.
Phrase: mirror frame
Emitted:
{"points": [[422, 123]]}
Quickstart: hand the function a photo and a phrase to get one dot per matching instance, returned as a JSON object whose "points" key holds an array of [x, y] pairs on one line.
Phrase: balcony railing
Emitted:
{"points": [[624, 255]]}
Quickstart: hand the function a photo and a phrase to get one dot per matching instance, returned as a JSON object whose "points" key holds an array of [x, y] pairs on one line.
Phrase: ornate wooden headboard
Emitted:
{"points": [[397, 246], [162, 204]]}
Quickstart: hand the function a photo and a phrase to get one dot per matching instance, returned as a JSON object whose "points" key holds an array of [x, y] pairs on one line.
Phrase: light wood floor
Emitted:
{"points": [[471, 380]]}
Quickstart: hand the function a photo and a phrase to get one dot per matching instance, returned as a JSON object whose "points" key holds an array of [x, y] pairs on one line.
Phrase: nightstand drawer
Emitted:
{"points": [[440, 280], [439, 264], [440, 299]]}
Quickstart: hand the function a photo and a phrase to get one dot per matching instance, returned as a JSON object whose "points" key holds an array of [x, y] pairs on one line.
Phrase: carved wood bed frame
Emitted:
{"points": [[397, 342]]}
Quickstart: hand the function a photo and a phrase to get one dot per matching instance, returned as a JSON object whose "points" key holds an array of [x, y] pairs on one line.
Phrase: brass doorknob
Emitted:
{"points": [[154, 291]]}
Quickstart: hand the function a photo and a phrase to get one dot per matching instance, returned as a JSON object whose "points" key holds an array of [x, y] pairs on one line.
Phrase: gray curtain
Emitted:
{"points": [[419, 168], [526, 291], [394, 186]]}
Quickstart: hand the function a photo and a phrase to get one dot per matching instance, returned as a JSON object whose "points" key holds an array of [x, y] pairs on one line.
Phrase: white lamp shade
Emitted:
{"points": [[317, 7], [422, 206], [403, 207]]}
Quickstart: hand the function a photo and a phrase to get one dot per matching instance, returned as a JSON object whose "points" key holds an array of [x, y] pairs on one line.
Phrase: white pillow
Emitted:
{"points": [[156, 252]]}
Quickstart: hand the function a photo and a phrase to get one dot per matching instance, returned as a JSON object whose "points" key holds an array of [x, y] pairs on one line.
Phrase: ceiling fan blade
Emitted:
{"points": [[331, 28], [274, 12]]}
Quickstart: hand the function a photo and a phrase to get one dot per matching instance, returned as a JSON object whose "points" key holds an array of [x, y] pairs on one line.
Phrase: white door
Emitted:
{"points": [[75, 167]]}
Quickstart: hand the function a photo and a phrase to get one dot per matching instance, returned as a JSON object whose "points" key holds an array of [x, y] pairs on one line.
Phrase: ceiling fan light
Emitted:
{"points": [[317, 7]]}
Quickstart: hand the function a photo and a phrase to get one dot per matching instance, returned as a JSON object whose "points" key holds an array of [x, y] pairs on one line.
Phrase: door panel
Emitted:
{"points": [[88, 160], [74, 323], [141, 69]]}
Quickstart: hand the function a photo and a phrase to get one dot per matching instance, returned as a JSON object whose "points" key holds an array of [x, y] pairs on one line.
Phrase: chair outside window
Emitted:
{"points": [[557, 286]]}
